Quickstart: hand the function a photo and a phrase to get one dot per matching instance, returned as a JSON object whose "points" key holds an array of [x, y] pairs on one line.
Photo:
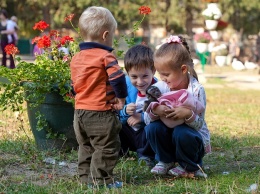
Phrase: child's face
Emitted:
{"points": [[176, 79], [141, 78], [2, 16]]}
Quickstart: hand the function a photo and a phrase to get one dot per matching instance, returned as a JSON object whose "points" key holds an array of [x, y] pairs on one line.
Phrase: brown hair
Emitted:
{"points": [[138, 57], [4, 12], [176, 54]]}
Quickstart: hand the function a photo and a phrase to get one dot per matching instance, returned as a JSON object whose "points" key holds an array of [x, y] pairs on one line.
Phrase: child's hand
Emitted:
{"points": [[131, 108], [117, 103], [160, 110], [134, 119], [178, 113]]}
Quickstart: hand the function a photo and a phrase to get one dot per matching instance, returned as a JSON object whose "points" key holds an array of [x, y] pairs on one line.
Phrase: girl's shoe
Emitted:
{"points": [[162, 168], [180, 172]]}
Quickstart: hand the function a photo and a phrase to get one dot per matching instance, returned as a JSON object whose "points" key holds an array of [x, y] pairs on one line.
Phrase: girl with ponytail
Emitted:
{"points": [[179, 150]]}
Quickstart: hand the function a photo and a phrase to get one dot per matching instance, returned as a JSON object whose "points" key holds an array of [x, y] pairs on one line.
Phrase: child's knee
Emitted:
{"points": [[152, 130]]}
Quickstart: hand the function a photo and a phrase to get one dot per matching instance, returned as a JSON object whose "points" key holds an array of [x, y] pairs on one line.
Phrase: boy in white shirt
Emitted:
{"points": [[139, 66]]}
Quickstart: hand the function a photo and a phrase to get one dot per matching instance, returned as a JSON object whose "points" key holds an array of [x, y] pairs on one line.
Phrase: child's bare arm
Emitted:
{"points": [[117, 103], [134, 119]]}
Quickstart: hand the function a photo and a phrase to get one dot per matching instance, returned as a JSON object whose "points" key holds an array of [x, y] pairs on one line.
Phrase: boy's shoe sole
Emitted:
{"points": [[116, 185]]}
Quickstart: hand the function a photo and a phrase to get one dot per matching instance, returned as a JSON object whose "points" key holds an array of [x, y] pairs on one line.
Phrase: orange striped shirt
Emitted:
{"points": [[96, 77]]}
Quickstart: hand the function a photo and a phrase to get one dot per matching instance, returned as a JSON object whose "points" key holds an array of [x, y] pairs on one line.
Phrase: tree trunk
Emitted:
{"points": [[146, 35], [46, 14], [168, 5], [189, 19]]}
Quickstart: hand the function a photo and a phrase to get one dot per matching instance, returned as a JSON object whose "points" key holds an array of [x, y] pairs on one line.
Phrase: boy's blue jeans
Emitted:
{"points": [[181, 144], [136, 141]]}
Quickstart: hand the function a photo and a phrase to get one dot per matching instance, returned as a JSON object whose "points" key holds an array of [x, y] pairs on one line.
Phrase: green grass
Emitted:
{"points": [[233, 117]]}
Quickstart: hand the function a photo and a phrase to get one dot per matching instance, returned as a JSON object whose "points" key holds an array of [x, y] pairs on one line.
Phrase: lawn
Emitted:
{"points": [[233, 117]]}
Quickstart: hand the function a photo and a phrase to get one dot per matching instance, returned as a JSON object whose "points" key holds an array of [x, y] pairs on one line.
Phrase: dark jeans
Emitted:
{"points": [[3, 45], [135, 141], [97, 133], [181, 144]]}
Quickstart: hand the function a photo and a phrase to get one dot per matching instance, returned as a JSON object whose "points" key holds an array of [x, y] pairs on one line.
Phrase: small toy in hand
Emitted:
{"points": [[152, 93]]}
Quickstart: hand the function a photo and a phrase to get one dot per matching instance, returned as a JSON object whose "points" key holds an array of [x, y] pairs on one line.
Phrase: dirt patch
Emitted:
{"points": [[38, 174]]}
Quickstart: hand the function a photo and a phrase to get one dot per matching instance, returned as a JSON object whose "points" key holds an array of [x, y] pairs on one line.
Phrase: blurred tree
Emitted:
{"points": [[177, 16], [243, 15]]}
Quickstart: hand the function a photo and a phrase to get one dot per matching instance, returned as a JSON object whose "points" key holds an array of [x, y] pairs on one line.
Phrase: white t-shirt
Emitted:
{"points": [[10, 25], [139, 108]]}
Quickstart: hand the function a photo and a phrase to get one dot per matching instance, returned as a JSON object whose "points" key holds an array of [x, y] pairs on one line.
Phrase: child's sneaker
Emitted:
{"points": [[116, 184], [162, 168], [180, 172], [200, 174], [146, 161]]}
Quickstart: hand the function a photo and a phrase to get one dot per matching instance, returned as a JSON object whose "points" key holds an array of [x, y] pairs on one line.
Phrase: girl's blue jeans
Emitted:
{"points": [[181, 144]]}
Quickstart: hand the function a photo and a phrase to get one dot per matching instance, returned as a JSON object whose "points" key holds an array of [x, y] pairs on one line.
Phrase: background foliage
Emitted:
{"points": [[175, 15]]}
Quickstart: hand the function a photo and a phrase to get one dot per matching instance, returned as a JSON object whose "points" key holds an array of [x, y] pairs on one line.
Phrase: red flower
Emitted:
{"points": [[11, 49], [66, 39], [41, 25], [36, 39], [69, 17], [44, 42], [144, 10], [54, 33]]}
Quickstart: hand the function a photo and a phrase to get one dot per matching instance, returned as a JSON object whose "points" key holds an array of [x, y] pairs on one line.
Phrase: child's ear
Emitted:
{"points": [[184, 69], [105, 34]]}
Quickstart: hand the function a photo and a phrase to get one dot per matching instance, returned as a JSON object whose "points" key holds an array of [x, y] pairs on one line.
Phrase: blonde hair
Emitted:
{"points": [[94, 21], [14, 18], [175, 55]]}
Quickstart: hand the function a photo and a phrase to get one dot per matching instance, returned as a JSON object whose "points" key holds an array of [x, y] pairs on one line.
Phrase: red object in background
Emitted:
{"points": [[11, 49], [41, 25], [144, 10], [221, 25], [69, 17]]}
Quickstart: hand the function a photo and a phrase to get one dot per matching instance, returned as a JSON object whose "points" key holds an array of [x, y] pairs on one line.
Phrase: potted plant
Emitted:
{"points": [[202, 40], [211, 14], [210, 22], [221, 55], [45, 85]]}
